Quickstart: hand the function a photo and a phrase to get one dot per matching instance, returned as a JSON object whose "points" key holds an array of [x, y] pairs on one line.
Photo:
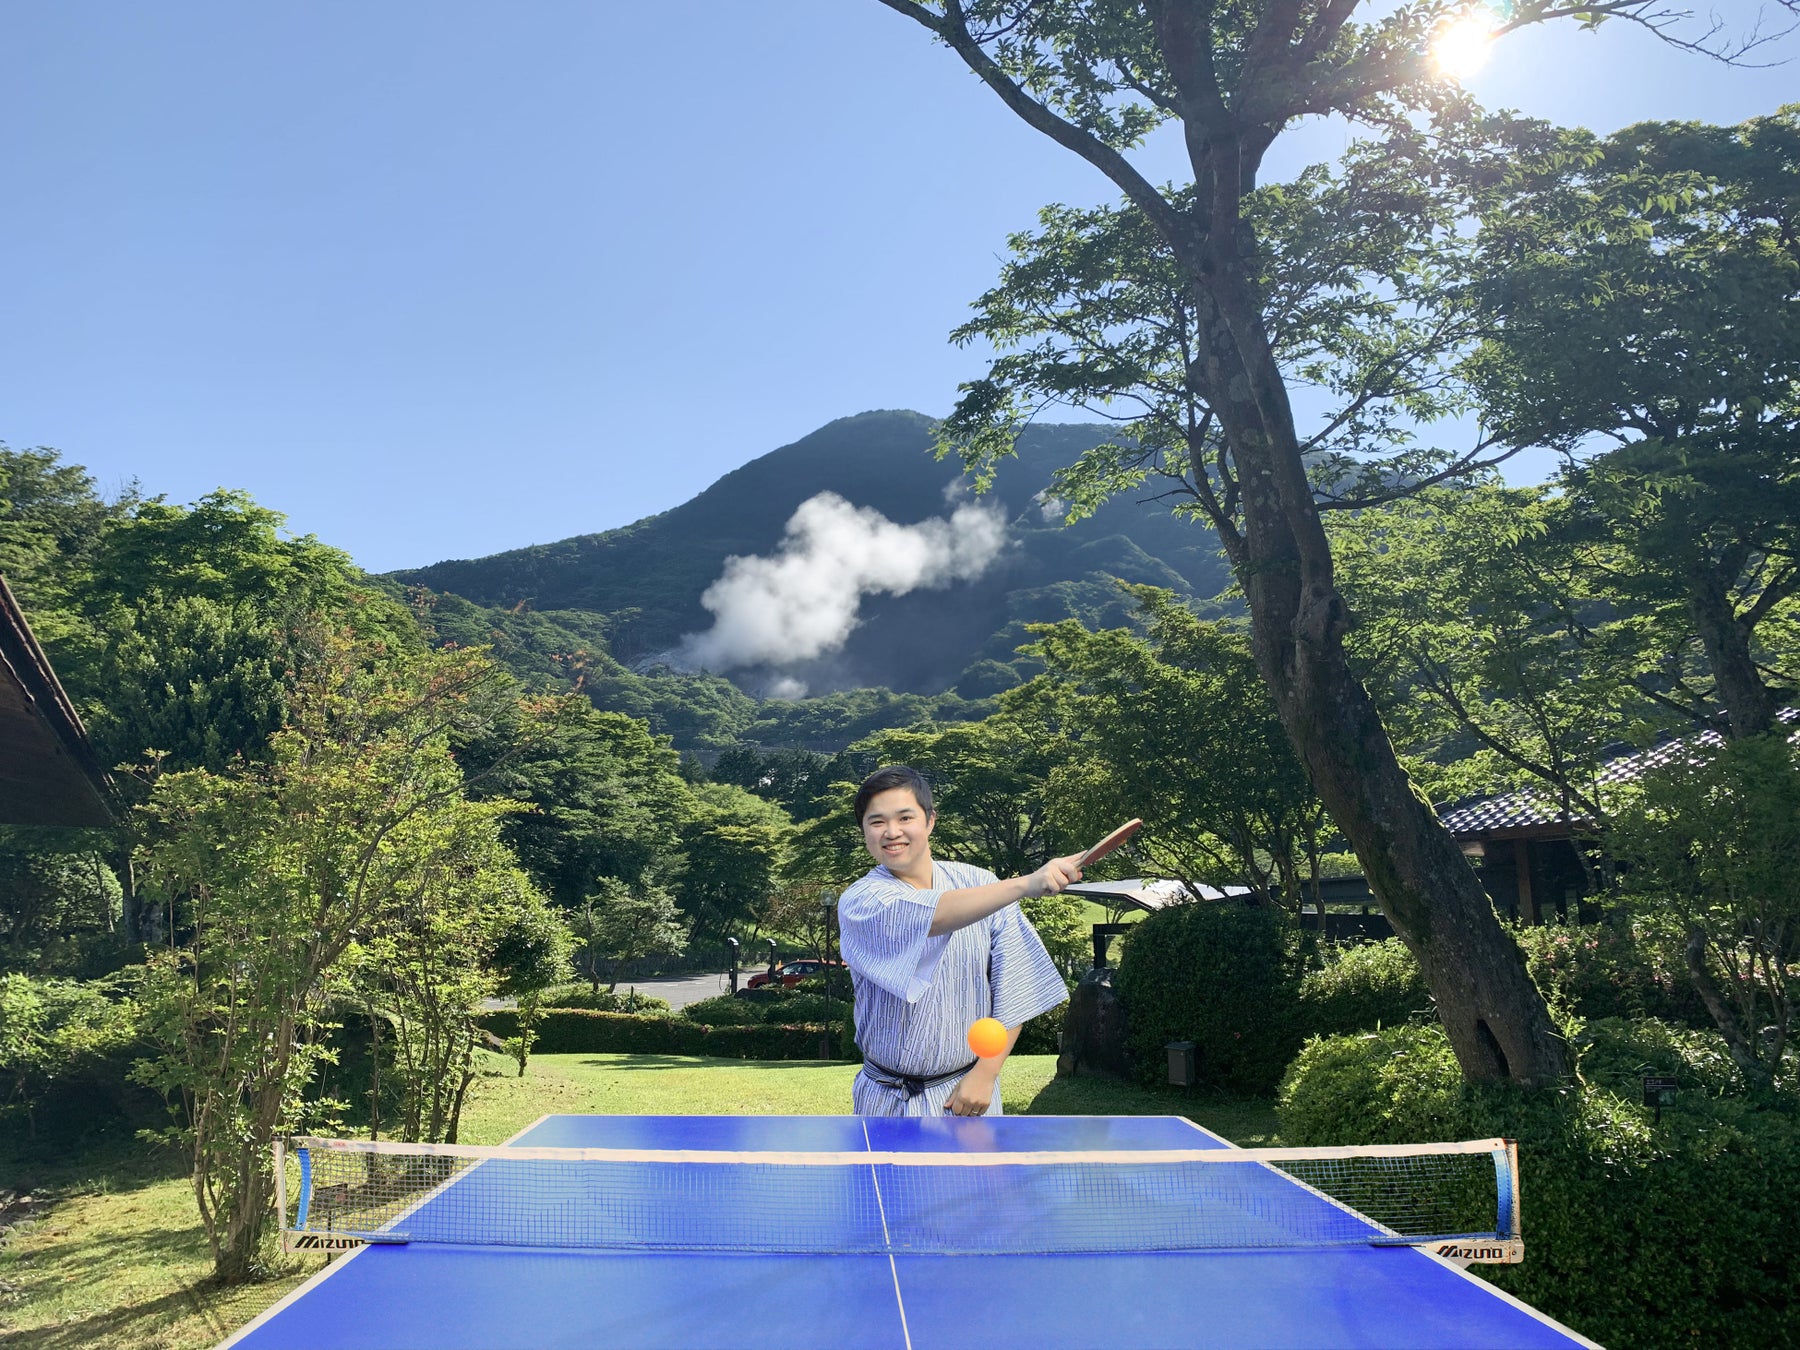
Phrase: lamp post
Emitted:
{"points": [[733, 944]]}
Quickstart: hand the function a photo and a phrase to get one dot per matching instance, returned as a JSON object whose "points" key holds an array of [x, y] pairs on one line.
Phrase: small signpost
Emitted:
{"points": [[1658, 1093]]}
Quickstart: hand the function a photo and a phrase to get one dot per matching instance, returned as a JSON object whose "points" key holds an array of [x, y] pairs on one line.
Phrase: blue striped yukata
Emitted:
{"points": [[916, 994]]}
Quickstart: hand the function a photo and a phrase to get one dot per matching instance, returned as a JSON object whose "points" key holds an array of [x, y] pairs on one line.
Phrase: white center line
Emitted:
{"points": [[887, 1241]]}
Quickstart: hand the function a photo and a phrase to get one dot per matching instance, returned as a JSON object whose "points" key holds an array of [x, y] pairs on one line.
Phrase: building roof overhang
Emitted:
{"points": [[49, 773]]}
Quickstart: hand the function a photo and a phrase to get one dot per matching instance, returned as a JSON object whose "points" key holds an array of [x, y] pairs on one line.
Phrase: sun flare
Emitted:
{"points": [[1461, 46]]}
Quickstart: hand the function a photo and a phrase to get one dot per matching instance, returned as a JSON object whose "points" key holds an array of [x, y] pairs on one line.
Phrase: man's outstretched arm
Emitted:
{"points": [[970, 904]]}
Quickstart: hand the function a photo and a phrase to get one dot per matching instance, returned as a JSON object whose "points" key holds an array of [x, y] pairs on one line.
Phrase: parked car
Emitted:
{"points": [[793, 972]]}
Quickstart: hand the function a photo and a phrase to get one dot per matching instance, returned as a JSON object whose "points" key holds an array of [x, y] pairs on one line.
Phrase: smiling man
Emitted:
{"points": [[932, 946]]}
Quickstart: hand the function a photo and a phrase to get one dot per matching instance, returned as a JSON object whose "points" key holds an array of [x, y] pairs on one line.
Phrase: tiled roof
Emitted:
{"points": [[1537, 807]]}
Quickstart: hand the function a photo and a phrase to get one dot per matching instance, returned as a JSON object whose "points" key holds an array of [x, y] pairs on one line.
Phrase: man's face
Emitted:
{"points": [[896, 832]]}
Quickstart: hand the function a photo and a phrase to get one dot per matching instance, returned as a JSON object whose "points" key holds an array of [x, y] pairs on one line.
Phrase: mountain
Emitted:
{"points": [[637, 590]]}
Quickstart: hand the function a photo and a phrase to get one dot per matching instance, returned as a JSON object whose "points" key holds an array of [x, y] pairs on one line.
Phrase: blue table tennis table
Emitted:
{"points": [[438, 1296]]}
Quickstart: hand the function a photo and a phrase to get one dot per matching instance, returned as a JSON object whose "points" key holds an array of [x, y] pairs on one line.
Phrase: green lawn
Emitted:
{"points": [[114, 1255]]}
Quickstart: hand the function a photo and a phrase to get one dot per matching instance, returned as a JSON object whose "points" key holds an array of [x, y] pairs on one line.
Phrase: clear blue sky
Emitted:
{"points": [[438, 279]]}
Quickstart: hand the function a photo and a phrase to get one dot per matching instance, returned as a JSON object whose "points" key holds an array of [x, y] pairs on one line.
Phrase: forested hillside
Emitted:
{"points": [[612, 607]]}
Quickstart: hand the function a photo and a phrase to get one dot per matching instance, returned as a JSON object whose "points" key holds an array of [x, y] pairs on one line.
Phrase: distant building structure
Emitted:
{"points": [[1148, 894], [49, 773], [1525, 845]]}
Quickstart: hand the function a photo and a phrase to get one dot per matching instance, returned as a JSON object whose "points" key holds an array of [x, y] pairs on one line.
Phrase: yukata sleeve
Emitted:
{"points": [[885, 935], [1024, 980]]}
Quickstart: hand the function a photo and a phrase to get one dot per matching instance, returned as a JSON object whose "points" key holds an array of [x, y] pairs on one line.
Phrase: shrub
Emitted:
{"points": [[726, 1011], [807, 1007], [605, 1000], [1042, 1035], [1219, 975], [58, 1037], [1362, 987], [1611, 970], [1636, 1233]]}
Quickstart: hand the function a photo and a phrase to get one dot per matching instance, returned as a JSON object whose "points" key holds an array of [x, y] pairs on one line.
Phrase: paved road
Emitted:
{"points": [[681, 990], [677, 990]]}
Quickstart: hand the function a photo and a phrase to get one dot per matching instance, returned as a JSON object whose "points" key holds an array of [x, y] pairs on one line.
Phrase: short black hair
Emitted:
{"points": [[886, 779]]}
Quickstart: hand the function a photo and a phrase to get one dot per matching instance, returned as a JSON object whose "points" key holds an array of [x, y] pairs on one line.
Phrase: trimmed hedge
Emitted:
{"points": [[577, 1031], [1219, 975], [606, 1000], [1677, 1234], [726, 1011]]}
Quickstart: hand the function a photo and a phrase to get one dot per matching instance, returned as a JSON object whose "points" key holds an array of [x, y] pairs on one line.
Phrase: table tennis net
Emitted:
{"points": [[1460, 1195]]}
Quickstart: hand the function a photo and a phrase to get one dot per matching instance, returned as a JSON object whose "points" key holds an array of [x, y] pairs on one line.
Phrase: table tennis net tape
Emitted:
{"points": [[849, 1202]]}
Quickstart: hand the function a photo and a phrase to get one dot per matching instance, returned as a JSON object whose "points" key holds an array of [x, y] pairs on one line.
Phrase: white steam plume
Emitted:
{"points": [[802, 602]]}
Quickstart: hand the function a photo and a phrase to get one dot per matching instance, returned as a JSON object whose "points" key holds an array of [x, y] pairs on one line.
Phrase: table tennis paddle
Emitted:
{"points": [[1112, 841]]}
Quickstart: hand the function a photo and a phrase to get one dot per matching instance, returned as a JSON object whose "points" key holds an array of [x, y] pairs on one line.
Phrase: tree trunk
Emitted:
{"points": [[1743, 1053], [1498, 1024], [130, 927], [1749, 706]]}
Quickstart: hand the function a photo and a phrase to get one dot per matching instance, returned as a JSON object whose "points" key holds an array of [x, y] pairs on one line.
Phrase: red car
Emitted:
{"points": [[794, 971]]}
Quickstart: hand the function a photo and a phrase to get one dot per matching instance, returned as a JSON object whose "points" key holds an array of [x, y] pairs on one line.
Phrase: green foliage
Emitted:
{"points": [[52, 1031], [1175, 727], [1480, 632], [1362, 987], [1620, 968], [569, 1031], [531, 956], [531, 952], [352, 851], [51, 521], [729, 1011], [607, 797], [1714, 833], [617, 923], [1219, 975], [59, 902], [605, 1000], [1638, 1234], [736, 845], [800, 780], [1063, 926], [800, 913], [1643, 290], [803, 1006]]}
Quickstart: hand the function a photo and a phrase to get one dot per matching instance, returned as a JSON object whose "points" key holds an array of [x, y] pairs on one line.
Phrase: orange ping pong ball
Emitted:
{"points": [[987, 1037]]}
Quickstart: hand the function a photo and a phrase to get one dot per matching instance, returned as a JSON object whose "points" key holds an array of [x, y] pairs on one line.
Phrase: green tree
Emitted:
{"points": [[737, 846], [431, 957], [59, 901], [282, 873], [607, 798], [1487, 633], [531, 956], [1714, 833], [1175, 727], [1196, 308], [618, 922], [51, 520], [1644, 291], [50, 1030]]}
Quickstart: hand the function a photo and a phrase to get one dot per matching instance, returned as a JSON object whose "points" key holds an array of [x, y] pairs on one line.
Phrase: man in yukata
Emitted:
{"points": [[932, 946]]}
